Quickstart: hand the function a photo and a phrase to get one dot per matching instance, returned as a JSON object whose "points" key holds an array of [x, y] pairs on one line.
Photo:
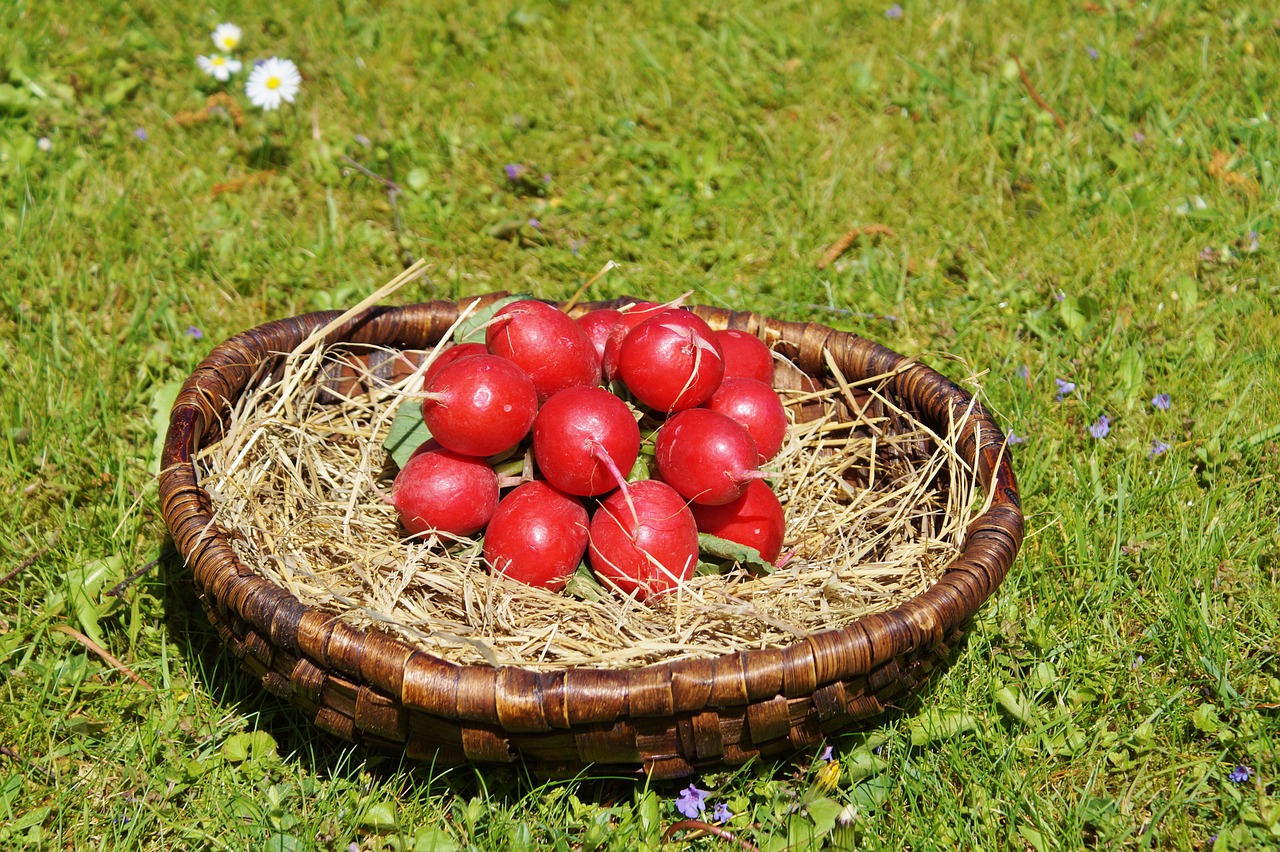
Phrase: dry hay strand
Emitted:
{"points": [[876, 503]]}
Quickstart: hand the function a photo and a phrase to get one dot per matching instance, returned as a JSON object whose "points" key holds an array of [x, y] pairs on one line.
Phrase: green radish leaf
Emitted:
{"points": [[721, 548], [408, 432], [584, 586], [706, 569], [639, 470], [471, 330]]}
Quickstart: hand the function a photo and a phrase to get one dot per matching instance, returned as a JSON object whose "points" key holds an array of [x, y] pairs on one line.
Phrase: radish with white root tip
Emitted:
{"points": [[479, 405], [706, 456], [585, 441], [644, 541], [672, 361]]}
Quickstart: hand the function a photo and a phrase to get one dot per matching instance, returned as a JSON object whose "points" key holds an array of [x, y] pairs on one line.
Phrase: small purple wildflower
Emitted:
{"points": [[1137, 661], [1102, 428], [894, 12], [534, 223], [1015, 438], [1024, 372], [691, 802], [1064, 387], [1158, 448], [721, 813], [362, 140], [1208, 254], [515, 171], [1139, 137], [1161, 401], [826, 754], [194, 333], [1091, 51], [1253, 242], [1240, 774], [141, 133], [546, 178], [576, 246], [1059, 296]]}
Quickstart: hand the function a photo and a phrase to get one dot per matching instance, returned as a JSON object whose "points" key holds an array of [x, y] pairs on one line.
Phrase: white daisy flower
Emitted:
{"points": [[226, 37], [272, 82], [219, 67]]}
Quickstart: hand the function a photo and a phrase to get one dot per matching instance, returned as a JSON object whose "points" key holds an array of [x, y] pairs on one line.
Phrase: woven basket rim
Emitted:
{"points": [[274, 630]]}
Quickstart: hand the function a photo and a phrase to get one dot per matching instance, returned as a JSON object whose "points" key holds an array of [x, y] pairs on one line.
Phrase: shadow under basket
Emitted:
{"points": [[668, 719]]}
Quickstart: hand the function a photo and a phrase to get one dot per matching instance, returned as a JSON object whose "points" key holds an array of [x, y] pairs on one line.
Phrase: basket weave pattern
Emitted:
{"points": [[668, 719]]}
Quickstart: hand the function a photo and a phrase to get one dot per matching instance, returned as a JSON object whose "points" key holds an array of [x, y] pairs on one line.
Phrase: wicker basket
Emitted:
{"points": [[668, 719]]}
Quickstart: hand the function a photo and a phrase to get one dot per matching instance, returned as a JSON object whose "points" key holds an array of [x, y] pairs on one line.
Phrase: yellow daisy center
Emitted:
{"points": [[219, 60], [273, 82]]}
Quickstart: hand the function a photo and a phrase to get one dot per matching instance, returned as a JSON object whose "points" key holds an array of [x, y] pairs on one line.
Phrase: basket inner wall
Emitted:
{"points": [[290, 542]]}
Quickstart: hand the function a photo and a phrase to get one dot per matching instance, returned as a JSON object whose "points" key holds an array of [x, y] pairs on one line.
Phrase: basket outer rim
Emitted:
{"points": [[514, 699]]}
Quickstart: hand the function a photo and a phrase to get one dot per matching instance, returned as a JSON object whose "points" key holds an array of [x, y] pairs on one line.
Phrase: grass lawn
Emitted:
{"points": [[1083, 209]]}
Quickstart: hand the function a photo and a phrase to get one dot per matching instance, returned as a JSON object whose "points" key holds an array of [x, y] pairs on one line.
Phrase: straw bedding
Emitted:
{"points": [[877, 505]]}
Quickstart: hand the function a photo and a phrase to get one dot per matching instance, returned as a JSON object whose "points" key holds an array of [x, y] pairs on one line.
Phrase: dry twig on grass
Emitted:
{"points": [[1035, 96], [846, 241], [107, 657]]}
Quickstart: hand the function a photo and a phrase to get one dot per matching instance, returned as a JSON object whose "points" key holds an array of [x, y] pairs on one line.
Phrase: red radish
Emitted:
{"points": [[672, 361], [631, 317], [597, 325], [755, 519], [585, 441], [546, 343], [648, 547], [445, 492], [480, 405], [430, 445], [757, 407], [537, 536], [745, 356], [453, 353], [706, 456]]}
